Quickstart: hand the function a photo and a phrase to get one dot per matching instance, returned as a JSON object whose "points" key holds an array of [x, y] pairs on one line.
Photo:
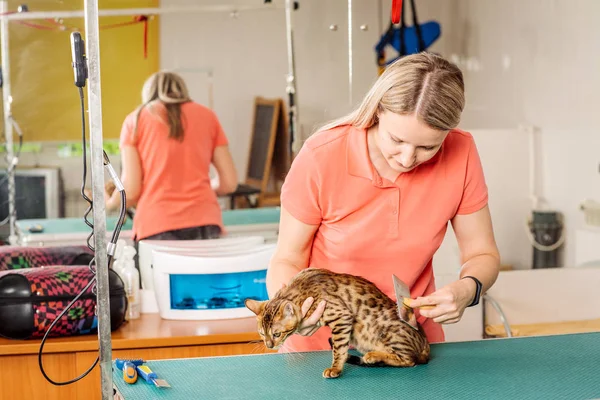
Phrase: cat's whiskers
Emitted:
{"points": [[293, 353], [257, 349]]}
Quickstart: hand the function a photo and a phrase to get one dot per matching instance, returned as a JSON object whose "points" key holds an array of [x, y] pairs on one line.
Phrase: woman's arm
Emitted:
{"points": [[479, 258], [131, 177], [479, 253], [223, 162], [294, 244]]}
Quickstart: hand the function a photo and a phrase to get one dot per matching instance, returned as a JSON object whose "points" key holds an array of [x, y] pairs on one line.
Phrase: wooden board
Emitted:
{"points": [[262, 141], [270, 153]]}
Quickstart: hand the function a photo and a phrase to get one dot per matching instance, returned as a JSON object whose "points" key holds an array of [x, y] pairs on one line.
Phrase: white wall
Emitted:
{"points": [[536, 62], [508, 199]]}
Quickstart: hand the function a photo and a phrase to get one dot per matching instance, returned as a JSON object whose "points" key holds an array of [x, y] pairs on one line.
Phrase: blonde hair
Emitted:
{"points": [[171, 90], [424, 84]]}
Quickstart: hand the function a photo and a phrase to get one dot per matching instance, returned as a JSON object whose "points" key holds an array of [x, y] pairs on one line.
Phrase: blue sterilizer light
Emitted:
{"points": [[216, 291]]}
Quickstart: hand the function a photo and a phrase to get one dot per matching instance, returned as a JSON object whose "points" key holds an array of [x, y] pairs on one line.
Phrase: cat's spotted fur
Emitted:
{"points": [[358, 313]]}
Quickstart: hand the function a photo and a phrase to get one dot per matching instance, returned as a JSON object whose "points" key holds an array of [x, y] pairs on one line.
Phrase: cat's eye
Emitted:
{"points": [[276, 335]]}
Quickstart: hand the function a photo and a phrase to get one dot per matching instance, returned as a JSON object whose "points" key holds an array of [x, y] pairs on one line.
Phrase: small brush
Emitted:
{"points": [[149, 376]]}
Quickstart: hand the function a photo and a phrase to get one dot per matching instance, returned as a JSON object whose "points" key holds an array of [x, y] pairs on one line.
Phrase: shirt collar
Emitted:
{"points": [[358, 162]]}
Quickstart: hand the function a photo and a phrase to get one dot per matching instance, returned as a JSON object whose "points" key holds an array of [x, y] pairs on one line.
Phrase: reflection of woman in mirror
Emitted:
{"points": [[167, 146], [372, 193]]}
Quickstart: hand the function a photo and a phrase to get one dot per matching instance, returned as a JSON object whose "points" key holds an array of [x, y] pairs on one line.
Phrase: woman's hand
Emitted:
{"points": [[449, 302], [311, 324], [109, 189]]}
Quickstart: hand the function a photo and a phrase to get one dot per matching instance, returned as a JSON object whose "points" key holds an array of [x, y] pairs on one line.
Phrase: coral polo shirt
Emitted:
{"points": [[372, 227], [176, 191]]}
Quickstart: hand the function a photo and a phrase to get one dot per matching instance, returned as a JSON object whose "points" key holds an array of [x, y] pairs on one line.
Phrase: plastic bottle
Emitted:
{"points": [[131, 278], [118, 264]]}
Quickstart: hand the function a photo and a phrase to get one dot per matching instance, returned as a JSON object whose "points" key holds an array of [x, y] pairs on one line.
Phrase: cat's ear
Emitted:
{"points": [[288, 310], [255, 306]]}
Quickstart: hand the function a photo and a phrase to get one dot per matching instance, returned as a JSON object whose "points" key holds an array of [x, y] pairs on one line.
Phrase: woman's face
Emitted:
{"points": [[406, 142]]}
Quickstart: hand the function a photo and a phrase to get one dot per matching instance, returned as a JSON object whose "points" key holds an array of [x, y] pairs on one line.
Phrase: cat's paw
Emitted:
{"points": [[332, 373], [372, 358]]}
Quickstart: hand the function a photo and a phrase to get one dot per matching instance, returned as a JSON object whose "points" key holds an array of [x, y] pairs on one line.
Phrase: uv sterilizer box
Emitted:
{"points": [[192, 286], [207, 247]]}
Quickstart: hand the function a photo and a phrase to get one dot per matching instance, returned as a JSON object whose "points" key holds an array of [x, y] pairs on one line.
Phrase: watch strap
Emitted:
{"points": [[477, 292]]}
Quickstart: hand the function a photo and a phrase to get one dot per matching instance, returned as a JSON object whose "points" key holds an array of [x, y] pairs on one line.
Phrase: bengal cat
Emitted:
{"points": [[358, 313]]}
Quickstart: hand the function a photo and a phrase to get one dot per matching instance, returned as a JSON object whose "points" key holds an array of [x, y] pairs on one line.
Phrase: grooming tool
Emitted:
{"points": [[129, 372], [405, 310], [149, 376], [129, 368], [403, 294], [36, 229]]}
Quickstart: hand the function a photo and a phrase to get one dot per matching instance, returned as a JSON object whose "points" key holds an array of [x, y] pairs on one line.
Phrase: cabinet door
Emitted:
{"points": [[321, 48], [367, 24], [331, 79]]}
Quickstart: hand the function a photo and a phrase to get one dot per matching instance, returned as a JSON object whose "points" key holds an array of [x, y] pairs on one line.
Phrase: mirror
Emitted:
{"points": [[530, 105]]}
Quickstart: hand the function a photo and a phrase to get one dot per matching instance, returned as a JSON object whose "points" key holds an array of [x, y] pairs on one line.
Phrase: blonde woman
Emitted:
{"points": [[372, 193], [167, 146]]}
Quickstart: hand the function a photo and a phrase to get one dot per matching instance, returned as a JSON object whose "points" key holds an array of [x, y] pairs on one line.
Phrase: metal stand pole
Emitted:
{"points": [[350, 71], [8, 127], [92, 43], [291, 80]]}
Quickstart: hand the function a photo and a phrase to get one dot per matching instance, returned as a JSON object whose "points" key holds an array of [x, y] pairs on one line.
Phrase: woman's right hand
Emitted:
{"points": [[310, 325]]}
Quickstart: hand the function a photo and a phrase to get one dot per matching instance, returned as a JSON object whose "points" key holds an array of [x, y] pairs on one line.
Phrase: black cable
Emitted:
{"points": [[56, 320], [114, 238]]}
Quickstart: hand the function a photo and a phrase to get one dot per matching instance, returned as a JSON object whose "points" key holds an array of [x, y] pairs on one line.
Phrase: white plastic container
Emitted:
{"points": [[213, 286], [131, 278], [591, 212]]}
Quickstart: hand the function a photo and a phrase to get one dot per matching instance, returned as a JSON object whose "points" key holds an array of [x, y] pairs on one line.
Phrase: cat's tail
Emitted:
{"points": [[424, 356], [355, 360]]}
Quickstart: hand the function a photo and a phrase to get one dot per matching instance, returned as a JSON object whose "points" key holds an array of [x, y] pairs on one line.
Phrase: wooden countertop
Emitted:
{"points": [[147, 331], [544, 329]]}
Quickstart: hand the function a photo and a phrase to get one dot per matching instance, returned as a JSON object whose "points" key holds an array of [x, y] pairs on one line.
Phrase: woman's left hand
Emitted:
{"points": [[449, 301], [108, 191]]}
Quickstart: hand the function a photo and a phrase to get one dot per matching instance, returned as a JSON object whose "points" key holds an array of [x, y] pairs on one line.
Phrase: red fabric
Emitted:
{"points": [[396, 11]]}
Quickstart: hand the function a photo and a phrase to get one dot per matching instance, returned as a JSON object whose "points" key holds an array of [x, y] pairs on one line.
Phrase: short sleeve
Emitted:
{"points": [[127, 137], [475, 191], [220, 139], [301, 188]]}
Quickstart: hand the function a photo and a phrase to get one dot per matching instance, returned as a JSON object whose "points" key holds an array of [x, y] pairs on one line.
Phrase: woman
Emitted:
{"points": [[372, 193], [167, 147]]}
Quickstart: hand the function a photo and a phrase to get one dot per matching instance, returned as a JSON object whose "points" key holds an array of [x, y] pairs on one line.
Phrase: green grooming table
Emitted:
{"points": [[550, 367], [267, 215], [54, 226]]}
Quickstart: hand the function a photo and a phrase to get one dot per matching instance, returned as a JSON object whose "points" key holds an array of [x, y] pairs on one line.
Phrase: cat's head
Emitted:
{"points": [[276, 319]]}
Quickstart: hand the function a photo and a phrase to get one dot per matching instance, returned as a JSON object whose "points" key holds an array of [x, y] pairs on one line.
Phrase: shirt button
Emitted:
{"points": [[395, 212]]}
